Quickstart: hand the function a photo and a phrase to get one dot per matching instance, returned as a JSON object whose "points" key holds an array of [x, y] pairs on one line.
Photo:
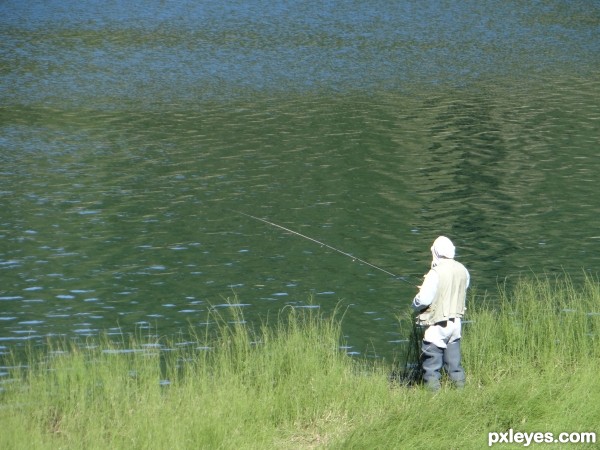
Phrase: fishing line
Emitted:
{"points": [[354, 258]]}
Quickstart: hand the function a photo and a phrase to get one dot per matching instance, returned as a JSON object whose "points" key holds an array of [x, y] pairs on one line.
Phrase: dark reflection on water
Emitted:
{"points": [[465, 170], [127, 140]]}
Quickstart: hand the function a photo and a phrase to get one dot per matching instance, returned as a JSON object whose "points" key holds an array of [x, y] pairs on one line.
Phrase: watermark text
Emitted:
{"points": [[526, 439]]}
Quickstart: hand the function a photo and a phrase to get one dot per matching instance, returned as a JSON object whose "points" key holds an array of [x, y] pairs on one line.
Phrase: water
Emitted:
{"points": [[129, 135]]}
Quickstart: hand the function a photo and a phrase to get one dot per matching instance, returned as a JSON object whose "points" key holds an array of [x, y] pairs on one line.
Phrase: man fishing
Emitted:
{"points": [[441, 304]]}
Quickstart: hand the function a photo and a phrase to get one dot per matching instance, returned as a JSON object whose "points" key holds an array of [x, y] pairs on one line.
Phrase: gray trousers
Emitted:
{"points": [[434, 358]]}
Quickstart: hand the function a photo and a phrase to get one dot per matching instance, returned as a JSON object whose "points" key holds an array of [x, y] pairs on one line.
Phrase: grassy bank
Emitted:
{"points": [[532, 362]]}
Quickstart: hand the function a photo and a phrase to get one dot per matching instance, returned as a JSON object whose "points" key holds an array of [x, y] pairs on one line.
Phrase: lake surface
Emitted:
{"points": [[131, 137]]}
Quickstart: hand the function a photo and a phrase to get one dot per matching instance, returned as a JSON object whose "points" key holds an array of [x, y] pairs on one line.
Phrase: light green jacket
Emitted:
{"points": [[450, 295]]}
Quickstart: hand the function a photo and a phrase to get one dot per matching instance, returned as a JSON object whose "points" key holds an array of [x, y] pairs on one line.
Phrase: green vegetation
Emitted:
{"points": [[531, 357]]}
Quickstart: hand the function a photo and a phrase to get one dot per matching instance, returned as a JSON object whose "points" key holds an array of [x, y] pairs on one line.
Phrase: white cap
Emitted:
{"points": [[442, 248]]}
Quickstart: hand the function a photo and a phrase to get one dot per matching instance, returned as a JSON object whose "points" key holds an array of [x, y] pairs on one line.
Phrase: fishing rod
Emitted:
{"points": [[354, 258]]}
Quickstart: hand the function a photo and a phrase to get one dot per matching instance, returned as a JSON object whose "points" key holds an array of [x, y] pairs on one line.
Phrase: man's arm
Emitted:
{"points": [[427, 292]]}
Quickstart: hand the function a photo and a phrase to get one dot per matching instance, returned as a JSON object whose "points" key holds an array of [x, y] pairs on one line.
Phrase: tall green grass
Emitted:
{"points": [[531, 358], [541, 325]]}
